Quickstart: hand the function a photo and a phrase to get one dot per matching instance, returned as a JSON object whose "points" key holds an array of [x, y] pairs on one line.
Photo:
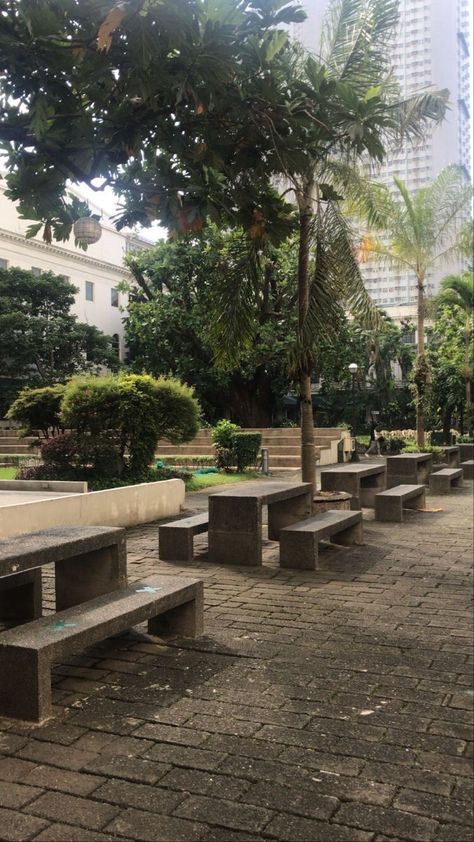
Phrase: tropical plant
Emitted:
{"points": [[422, 232], [457, 291]]}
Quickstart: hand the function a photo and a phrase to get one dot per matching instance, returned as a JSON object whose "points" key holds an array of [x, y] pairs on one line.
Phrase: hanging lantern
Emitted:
{"points": [[87, 230]]}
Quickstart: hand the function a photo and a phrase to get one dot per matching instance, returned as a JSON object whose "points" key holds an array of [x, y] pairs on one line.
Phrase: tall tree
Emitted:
{"points": [[422, 232], [457, 291], [189, 108], [170, 321], [41, 342]]}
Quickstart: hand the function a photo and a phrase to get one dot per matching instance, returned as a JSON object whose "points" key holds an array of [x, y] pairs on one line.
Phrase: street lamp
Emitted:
{"points": [[353, 369]]}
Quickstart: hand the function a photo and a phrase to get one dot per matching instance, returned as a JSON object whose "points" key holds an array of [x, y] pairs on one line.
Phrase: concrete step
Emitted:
{"points": [[16, 449]]}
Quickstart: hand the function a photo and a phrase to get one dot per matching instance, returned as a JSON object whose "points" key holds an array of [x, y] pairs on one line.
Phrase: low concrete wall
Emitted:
{"points": [[43, 485], [114, 507]]}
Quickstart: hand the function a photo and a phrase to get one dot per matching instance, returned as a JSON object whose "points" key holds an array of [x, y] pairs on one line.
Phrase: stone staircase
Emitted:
{"points": [[11, 444], [283, 444]]}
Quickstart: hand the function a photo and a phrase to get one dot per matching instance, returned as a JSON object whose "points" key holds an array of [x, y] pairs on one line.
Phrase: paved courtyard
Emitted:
{"points": [[328, 705]]}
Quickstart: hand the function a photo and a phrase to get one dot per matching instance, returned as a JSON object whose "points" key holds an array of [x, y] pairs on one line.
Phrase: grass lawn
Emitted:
{"points": [[8, 473], [196, 483]]}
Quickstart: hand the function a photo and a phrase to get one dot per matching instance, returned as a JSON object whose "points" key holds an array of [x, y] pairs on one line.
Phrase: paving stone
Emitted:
{"points": [[132, 769], [58, 832], [277, 797], [14, 769], [55, 806], [16, 795], [141, 825], [443, 809], [18, 826], [205, 783], [76, 783], [66, 757], [170, 734], [386, 820], [237, 816], [191, 758], [298, 829]]}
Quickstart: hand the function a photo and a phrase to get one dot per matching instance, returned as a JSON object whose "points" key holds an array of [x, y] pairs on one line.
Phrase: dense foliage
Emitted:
{"points": [[171, 321], [41, 343], [38, 410]]}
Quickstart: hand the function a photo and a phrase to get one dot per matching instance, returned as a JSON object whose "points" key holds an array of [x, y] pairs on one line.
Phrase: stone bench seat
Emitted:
{"points": [[468, 469], [442, 481], [169, 604], [299, 542], [389, 504], [176, 539]]}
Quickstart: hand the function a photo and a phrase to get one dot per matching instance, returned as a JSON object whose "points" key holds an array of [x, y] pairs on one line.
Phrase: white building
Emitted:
{"points": [[95, 273], [431, 49]]}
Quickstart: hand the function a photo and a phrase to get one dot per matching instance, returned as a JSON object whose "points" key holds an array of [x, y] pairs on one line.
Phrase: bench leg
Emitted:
{"points": [[299, 554], [25, 684], [353, 535], [89, 575], [185, 620], [286, 512], [21, 596], [457, 483], [175, 544], [416, 502], [235, 531]]}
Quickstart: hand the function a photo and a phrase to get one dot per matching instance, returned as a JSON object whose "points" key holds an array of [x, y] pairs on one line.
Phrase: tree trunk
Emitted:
{"points": [[447, 416], [470, 407], [308, 458], [421, 384]]}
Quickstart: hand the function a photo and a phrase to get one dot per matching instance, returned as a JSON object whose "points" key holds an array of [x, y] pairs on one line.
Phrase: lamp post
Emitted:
{"points": [[353, 369]]}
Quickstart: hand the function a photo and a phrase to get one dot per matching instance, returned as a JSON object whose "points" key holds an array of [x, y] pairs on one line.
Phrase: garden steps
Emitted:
{"points": [[283, 445]]}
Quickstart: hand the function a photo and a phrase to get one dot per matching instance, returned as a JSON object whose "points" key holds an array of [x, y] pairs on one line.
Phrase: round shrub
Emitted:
{"points": [[60, 450], [38, 409], [223, 432], [119, 419]]}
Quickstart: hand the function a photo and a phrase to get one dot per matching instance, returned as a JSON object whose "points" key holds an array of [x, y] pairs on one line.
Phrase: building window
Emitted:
{"points": [[114, 297], [3, 263], [36, 271], [116, 344], [89, 291]]}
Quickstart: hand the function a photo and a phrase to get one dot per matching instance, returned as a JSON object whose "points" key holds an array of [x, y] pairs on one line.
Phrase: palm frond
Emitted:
{"points": [[355, 40], [233, 302], [409, 118]]}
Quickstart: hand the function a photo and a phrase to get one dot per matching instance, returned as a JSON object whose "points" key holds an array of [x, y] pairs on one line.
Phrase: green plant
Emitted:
{"points": [[38, 409], [119, 419], [465, 440], [437, 452], [222, 433], [245, 449]]}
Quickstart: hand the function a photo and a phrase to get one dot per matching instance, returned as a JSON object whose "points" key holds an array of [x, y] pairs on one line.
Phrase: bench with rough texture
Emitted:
{"points": [[468, 469], [452, 456], [409, 469], [299, 542], [362, 481], [466, 450], [170, 605], [176, 538], [235, 518], [89, 561], [442, 481], [389, 504]]}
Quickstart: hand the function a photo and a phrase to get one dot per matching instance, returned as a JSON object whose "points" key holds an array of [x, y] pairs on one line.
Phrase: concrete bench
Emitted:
{"points": [[452, 456], [466, 451], [89, 561], [409, 469], [389, 504], [170, 605], [468, 469], [176, 538], [362, 481], [299, 542], [441, 481]]}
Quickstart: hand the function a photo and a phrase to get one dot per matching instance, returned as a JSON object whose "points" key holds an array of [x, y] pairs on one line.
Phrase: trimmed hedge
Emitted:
{"points": [[245, 448]]}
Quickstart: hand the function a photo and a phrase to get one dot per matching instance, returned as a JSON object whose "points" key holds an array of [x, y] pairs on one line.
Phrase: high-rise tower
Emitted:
{"points": [[430, 49]]}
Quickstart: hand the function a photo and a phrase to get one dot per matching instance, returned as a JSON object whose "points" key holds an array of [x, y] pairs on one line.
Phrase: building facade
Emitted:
{"points": [[96, 273], [430, 49]]}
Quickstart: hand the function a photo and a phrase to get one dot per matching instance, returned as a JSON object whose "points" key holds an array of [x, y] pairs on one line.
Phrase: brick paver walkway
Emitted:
{"points": [[332, 705]]}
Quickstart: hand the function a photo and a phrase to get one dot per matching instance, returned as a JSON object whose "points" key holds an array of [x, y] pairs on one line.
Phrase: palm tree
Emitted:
{"points": [[326, 113], [458, 291], [422, 232]]}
